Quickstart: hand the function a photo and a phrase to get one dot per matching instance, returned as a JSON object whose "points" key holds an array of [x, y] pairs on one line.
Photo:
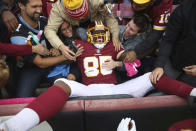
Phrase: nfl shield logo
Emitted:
{"points": [[98, 51]]}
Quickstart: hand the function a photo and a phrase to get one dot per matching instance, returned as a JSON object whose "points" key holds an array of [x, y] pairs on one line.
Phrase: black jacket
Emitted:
{"points": [[179, 41], [153, 37]]}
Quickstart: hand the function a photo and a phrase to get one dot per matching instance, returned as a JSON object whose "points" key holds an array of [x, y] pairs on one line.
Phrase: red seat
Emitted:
{"points": [[47, 6], [123, 12]]}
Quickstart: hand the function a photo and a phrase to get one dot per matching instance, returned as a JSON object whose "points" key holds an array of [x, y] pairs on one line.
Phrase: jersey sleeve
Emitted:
{"points": [[161, 14], [13, 50]]}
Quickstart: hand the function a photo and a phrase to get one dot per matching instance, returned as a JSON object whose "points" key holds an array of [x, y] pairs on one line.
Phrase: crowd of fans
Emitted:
{"points": [[67, 49]]}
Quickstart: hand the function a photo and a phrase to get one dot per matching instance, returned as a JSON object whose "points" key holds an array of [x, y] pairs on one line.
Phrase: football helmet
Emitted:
{"points": [[98, 34]]}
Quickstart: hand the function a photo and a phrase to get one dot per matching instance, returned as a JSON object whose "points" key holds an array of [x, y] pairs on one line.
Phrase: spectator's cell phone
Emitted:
{"points": [[73, 47]]}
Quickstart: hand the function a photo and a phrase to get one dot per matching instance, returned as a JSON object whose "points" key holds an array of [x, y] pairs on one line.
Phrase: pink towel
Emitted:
{"points": [[131, 67]]}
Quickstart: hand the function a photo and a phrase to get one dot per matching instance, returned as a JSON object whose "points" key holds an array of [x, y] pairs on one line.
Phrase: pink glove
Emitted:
{"points": [[131, 67]]}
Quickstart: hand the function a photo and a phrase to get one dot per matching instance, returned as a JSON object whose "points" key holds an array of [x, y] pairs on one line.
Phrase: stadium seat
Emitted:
{"points": [[123, 12]]}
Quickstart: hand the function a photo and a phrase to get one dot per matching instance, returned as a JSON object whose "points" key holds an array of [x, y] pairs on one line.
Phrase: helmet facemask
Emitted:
{"points": [[98, 34]]}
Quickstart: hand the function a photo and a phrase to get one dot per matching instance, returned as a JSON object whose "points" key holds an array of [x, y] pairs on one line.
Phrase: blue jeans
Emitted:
{"points": [[28, 80]]}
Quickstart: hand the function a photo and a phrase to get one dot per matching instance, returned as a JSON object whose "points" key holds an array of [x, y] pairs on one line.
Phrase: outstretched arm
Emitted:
{"points": [[111, 64], [112, 23], [50, 31], [8, 17], [20, 50], [145, 46], [13, 50], [190, 70]]}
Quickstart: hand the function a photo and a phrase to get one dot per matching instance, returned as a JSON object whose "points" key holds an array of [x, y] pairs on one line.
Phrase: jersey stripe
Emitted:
{"points": [[159, 27]]}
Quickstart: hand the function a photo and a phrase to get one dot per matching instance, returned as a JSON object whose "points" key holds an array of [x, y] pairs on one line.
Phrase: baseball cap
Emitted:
{"points": [[141, 1]]}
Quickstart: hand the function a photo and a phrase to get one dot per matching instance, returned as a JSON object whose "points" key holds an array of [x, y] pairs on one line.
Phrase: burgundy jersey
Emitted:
{"points": [[91, 60], [184, 125], [160, 14]]}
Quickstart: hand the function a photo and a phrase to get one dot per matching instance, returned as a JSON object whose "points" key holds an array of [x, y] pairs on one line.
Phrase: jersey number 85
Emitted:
{"points": [[92, 66]]}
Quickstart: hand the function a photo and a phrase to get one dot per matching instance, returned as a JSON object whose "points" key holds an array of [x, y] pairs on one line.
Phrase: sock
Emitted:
{"points": [[173, 87], [23, 121], [42, 108], [193, 92], [49, 103]]}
